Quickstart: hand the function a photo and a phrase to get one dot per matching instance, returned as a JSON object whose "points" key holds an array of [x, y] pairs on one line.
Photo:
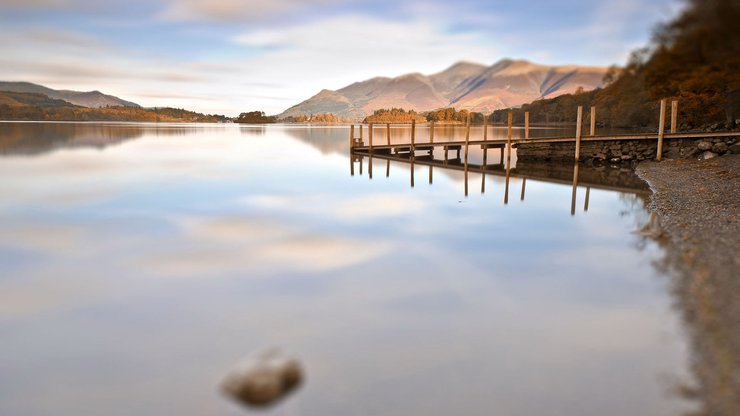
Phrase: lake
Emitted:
{"points": [[140, 262]]}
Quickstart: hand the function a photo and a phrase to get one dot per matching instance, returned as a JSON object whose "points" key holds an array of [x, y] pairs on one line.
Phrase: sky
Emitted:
{"points": [[231, 56]]}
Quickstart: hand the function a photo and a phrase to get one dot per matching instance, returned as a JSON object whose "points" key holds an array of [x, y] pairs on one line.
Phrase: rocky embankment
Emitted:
{"points": [[697, 203]]}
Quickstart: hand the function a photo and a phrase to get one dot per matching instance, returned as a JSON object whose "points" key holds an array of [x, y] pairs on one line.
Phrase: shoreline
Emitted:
{"points": [[696, 203]]}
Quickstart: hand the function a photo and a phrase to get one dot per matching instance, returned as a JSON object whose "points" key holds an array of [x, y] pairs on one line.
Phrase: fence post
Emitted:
{"points": [[431, 132], [674, 115], [388, 133], [508, 138], [370, 135], [413, 138], [526, 124], [351, 136], [485, 128], [661, 129], [579, 122]]}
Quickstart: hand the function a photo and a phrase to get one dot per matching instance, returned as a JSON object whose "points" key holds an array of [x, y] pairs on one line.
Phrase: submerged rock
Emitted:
{"points": [[263, 379]]}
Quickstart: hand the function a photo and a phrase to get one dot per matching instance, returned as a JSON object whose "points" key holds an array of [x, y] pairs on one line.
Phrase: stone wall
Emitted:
{"points": [[617, 151]]}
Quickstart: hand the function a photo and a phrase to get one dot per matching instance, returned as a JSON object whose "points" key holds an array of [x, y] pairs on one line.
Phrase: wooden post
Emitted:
{"points": [[524, 186], [467, 140], [370, 136], [526, 124], [588, 194], [388, 133], [360, 132], [351, 165], [592, 131], [370, 166], [361, 159], [661, 129], [430, 174], [508, 138], [388, 168], [579, 122], [485, 128], [431, 132], [413, 138], [351, 137], [674, 115]]}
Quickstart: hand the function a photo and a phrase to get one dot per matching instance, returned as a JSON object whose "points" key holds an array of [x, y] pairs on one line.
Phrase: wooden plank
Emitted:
{"points": [[526, 124], [431, 132], [351, 136], [579, 122], [661, 129], [575, 186], [485, 128], [388, 133], [370, 136], [674, 116]]}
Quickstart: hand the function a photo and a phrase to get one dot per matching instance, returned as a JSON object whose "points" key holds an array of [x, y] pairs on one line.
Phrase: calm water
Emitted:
{"points": [[138, 263]]}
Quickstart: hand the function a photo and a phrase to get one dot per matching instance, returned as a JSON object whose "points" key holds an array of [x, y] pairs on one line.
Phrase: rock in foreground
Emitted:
{"points": [[263, 379]]}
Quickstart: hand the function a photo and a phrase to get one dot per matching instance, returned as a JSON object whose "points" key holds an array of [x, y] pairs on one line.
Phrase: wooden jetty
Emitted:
{"points": [[429, 146]]}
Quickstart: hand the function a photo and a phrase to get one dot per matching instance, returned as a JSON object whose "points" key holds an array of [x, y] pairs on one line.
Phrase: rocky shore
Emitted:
{"points": [[697, 203]]}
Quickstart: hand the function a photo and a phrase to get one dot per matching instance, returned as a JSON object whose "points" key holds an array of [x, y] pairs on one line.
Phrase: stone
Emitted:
{"points": [[626, 157], [263, 379], [707, 155], [719, 148], [735, 148], [704, 145], [615, 159]]}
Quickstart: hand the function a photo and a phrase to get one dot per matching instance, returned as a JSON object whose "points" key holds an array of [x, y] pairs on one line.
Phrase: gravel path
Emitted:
{"points": [[697, 204]]}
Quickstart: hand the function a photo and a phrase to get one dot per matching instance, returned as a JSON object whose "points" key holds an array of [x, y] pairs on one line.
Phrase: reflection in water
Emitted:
{"points": [[604, 177], [146, 271]]}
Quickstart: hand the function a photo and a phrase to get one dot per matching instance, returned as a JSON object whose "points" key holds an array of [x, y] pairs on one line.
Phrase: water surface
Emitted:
{"points": [[139, 262]]}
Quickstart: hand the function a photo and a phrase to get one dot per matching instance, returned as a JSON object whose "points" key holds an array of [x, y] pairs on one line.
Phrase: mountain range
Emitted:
{"points": [[464, 85], [92, 99]]}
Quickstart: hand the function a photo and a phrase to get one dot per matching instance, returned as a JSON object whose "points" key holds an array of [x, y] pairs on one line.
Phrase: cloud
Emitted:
{"points": [[238, 10]]}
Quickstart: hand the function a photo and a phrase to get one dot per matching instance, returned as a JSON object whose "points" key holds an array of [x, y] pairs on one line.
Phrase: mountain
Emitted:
{"points": [[92, 99], [464, 85]]}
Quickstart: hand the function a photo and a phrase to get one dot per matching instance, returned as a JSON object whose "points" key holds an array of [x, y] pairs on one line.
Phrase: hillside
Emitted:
{"points": [[92, 99], [475, 87], [23, 106], [694, 59]]}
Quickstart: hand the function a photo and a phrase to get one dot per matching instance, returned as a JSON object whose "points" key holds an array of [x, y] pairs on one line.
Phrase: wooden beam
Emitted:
{"points": [[388, 133], [579, 123], [370, 136], [674, 115], [485, 128], [351, 136], [431, 132], [661, 129], [526, 124]]}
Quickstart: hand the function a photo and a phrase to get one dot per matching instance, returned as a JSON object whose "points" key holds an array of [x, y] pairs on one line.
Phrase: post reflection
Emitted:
{"points": [[599, 177]]}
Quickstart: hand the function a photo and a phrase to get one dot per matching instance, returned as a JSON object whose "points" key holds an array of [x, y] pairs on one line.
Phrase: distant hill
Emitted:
{"points": [[475, 87], [92, 99], [26, 106]]}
